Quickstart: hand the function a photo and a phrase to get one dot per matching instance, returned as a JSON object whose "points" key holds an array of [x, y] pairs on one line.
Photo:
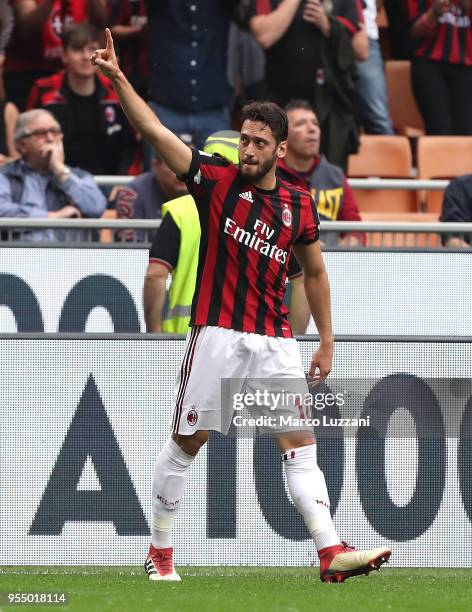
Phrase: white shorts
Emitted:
{"points": [[219, 363]]}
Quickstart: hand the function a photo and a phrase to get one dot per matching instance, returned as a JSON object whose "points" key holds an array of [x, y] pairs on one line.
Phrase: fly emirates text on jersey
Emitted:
{"points": [[259, 240]]}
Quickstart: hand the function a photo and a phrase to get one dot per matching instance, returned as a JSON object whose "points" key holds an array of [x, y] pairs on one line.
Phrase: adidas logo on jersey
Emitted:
{"points": [[247, 195]]}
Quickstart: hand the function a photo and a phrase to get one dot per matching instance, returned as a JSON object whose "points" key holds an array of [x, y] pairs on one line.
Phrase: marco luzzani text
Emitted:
{"points": [[282, 401]]}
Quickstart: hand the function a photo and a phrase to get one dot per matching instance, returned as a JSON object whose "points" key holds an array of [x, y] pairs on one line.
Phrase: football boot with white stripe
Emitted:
{"points": [[159, 565]]}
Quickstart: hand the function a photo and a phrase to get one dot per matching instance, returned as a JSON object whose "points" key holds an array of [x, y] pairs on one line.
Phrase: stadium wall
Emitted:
{"points": [[99, 290], [82, 421]]}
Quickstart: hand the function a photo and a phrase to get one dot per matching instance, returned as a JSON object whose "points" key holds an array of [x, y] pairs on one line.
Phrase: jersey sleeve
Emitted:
{"points": [[310, 227], [251, 8], [294, 269], [414, 9], [205, 171], [166, 244], [349, 210]]}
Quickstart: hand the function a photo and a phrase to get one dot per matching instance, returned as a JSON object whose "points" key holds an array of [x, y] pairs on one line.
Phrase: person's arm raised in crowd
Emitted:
{"points": [[268, 29], [171, 149], [318, 295], [30, 16], [98, 12], [10, 115], [154, 296], [429, 19]]}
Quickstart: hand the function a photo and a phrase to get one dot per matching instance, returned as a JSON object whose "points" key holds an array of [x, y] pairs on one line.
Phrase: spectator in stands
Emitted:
{"points": [[193, 37], [97, 136], [129, 29], [441, 69], [6, 28], [457, 207], [399, 41], [371, 90], [39, 184], [8, 117], [309, 56], [303, 166], [246, 66], [35, 48], [144, 196]]}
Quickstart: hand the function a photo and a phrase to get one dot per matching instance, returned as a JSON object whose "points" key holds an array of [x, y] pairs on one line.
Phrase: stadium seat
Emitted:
{"points": [[402, 240], [384, 157], [441, 157], [402, 105], [106, 235]]}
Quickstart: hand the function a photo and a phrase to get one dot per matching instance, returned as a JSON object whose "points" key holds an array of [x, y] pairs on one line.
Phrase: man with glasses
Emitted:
{"points": [[39, 184]]}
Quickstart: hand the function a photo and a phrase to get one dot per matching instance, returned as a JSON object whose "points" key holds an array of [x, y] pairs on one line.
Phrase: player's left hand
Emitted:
{"points": [[320, 364]]}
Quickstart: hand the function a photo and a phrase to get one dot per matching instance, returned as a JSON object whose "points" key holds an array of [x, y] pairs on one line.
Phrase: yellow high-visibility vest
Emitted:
{"points": [[184, 213]]}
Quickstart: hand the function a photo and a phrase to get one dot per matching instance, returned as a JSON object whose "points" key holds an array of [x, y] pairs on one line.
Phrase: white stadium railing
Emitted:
{"points": [[120, 233], [125, 233], [331, 226], [356, 183]]}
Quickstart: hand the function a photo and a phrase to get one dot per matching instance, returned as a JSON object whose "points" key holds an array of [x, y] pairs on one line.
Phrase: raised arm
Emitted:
{"points": [[98, 12], [31, 16], [268, 29], [170, 148]]}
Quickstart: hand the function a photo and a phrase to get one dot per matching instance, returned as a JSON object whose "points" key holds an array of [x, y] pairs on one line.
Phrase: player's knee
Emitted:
{"points": [[294, 440], [191, 444]]}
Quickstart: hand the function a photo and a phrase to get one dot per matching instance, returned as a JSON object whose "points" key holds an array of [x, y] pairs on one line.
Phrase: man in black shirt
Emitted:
{"points": [[97, 136], [310, 55], [457, 207]]}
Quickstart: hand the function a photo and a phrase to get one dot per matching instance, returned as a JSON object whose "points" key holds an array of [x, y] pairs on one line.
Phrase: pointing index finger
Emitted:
{"points": [[109, 40]]}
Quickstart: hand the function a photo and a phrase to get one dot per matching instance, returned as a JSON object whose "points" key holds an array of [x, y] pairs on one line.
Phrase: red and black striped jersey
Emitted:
{"points": [[246, 242], [451, 39]]}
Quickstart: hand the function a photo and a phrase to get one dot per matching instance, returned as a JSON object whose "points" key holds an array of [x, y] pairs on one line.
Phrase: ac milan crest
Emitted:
{"points": [[287, 217], [110, 114], [192, 417]]}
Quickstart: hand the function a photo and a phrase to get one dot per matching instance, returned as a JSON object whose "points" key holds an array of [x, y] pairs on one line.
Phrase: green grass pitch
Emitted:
{"points": [[238, 589]]}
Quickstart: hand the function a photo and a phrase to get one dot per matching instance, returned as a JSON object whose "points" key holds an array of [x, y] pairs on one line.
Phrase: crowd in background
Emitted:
{"points": [[197, 61]]}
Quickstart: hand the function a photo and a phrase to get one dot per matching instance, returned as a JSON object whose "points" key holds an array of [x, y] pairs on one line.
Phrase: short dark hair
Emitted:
{"points": [[296, 103], [269, 114], [77, 35]]}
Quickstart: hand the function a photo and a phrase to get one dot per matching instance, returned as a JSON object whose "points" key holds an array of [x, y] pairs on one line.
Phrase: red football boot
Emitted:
{"points": [[159, 564], [343, 561]]}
